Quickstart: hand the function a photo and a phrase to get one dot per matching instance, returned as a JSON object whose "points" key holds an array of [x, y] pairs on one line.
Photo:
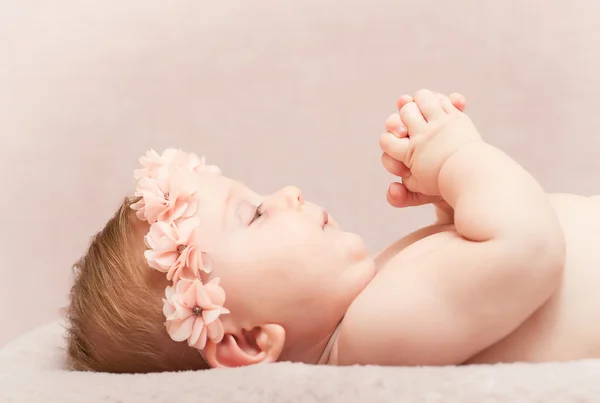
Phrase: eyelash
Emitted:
{"points": [[260, 211]]}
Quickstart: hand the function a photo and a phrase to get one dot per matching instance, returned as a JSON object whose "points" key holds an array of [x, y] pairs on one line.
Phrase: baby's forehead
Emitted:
{"points": [[218, 190], [219, 185]]}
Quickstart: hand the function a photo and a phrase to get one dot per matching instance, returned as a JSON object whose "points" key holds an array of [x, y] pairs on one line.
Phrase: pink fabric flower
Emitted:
{"points": [[168, 195], [174, 249], [198, 165], [152, 161], [192, 310], [167, 186], [213, 169]]}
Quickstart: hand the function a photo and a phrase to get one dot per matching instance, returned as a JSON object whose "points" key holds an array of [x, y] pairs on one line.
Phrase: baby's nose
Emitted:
{"points": [[289, 197]]}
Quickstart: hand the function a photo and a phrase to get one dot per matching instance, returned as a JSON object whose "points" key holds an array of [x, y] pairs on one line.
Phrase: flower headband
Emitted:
{"points": [[167, 186]]}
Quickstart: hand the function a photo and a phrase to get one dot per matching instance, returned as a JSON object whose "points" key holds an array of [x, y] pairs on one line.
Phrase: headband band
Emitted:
{"points": [[167, 185]]}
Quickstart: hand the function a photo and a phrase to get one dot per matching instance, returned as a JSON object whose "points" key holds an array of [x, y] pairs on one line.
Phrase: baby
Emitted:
{"points": [[198, 271]]}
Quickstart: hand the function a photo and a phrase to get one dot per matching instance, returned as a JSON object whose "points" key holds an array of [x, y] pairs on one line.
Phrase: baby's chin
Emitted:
{"points": [[356, 247], [351, 242], [362, 268]]}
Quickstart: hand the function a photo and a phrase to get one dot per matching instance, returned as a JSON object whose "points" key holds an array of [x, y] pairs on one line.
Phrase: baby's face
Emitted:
{"points": [[292, 265]]}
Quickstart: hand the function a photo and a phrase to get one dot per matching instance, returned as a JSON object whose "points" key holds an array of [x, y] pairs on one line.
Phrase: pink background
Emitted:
{"points": [[275, 93]]}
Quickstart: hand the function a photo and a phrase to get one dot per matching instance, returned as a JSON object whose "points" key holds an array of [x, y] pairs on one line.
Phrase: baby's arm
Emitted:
{"points": [[474, 288]]}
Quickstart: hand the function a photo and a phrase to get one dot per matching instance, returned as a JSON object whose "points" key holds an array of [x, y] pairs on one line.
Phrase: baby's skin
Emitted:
{"points": [[508, 273]]}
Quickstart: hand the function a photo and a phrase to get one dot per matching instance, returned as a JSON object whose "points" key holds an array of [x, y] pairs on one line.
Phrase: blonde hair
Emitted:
{"points": [[115, 319]]}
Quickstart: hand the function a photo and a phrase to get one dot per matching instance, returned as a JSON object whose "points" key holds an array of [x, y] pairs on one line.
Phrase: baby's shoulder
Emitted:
{"points": [[383, 325]]}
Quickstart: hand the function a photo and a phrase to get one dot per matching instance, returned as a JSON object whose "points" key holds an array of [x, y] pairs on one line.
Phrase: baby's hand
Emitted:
{"points": [[393, 159]]}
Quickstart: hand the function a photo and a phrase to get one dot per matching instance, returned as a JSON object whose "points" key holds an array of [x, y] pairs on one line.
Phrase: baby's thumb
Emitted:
{"points": [[399, 196]]}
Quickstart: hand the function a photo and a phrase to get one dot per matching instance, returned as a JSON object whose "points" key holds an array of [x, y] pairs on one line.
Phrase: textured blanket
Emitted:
{"points": [[32, 369]]}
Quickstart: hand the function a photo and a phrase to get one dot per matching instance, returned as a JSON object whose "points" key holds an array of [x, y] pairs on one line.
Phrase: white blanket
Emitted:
{"points": [[32, 369]]}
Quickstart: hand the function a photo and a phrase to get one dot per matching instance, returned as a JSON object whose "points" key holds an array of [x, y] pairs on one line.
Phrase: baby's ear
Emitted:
{"points": [[261, 344]]}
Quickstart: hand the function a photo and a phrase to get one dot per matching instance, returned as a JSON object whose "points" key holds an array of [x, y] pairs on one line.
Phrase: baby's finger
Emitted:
{"points": [[394, 166], [452, 102], [403, 100], [393, 124], [459, 101], [399, 196], [395, 147]]}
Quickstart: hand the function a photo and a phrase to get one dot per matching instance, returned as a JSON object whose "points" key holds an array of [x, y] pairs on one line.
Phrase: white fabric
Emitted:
{"points": [[32, 369]]}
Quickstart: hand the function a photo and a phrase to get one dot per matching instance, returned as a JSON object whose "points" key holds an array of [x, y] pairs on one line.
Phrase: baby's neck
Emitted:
{"points": [[329, 354], [320, 353]]}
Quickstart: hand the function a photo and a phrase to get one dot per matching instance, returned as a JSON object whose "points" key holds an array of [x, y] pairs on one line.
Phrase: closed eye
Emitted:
{"points": [[258, 213]]}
